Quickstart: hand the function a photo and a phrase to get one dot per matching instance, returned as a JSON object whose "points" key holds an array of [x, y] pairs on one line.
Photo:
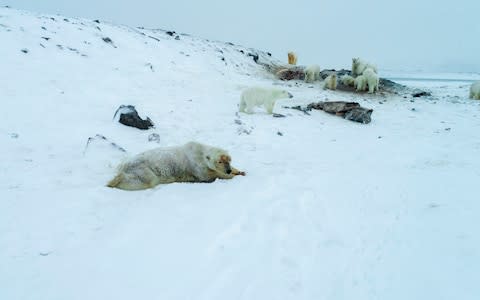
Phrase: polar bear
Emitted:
{"points": [[192, 162], [372, 80], [312, 73], [292, 58], [348, 80], [475, 90], [360, 83], [330, 82], [258, 96], [358, 66]]}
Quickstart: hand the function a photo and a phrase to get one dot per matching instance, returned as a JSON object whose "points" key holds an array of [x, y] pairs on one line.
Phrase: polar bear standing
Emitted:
{"points": [[475, 90], [312, 73], [192, 162], [359, 66], [372, 80], [258, 96], [348, 80], [330, 82], [360, 83], [292, 58]]}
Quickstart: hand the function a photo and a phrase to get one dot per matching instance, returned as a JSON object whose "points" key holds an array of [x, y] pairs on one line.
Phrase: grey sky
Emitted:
{"points": [[429, 35]]}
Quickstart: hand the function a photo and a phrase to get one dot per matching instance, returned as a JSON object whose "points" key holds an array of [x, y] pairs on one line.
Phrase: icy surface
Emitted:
{"points": [[329, 209]]}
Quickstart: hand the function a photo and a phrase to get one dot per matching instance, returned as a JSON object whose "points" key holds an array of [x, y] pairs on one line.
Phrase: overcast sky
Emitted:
{"points": [[428, 35]]}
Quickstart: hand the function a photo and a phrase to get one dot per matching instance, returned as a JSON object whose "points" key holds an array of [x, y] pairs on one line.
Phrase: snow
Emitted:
{"points": [[330, 209]]}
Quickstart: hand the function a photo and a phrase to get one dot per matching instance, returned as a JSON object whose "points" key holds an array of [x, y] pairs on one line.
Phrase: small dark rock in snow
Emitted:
{"points": [[279, 133], [154, 137], [53, 19], [96, 21], [66, 20], [98, 28], [170, 33], [238, 122], [24, 50], [129, 117], [278, 115], [43, 27], [60, 47], [269, 54], [177, 37], [14, 135], [421, 94], [107, 40], [45, 38], [448, 129], [413, 109], [254, 55], [41, 45]]}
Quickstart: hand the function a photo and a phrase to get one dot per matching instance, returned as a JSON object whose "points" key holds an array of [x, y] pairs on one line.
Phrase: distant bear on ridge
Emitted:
{"points": [[312, 73], [475, 90], [292, 58]]}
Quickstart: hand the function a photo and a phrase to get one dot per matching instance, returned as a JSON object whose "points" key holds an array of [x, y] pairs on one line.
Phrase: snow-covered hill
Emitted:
{"points": [[329, 209]]}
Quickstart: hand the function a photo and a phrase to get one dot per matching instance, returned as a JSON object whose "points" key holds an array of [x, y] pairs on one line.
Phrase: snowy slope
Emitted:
{"points": [[330, 209]]}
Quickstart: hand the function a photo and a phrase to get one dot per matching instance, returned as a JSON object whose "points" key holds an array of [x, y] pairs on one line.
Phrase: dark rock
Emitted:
{"points": [[107, 40], [291, 73], [45, 38], [14, 135], [421, 94], [177, 37], [269, 54], [43, 27], [359, 114], [254, 55], [24, 50], [349, 110], [66, 20], [279, 133], [278, 115], [129, 117], [96, 21], [170, 33]]}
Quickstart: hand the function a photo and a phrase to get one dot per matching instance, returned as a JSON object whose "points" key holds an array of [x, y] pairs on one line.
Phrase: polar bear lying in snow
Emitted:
{"points": [[475, 90], [312, 73], [192, 162], [258, 96], [359, 66]]}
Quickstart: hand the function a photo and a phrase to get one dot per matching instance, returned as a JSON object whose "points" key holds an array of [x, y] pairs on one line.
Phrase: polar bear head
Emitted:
{"points": [[219, 160], [279, 94]]}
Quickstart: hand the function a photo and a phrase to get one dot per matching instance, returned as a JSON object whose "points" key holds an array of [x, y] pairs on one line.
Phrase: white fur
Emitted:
{"points": [[258, 96], [358, 66], [330, 82], [475, 90], [312, 73], [348, 80], [360, 83], [372, 80], [192, 162]]}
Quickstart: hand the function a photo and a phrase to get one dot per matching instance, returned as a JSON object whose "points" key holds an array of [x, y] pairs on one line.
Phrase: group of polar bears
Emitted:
{"points": [[364, 77]]}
